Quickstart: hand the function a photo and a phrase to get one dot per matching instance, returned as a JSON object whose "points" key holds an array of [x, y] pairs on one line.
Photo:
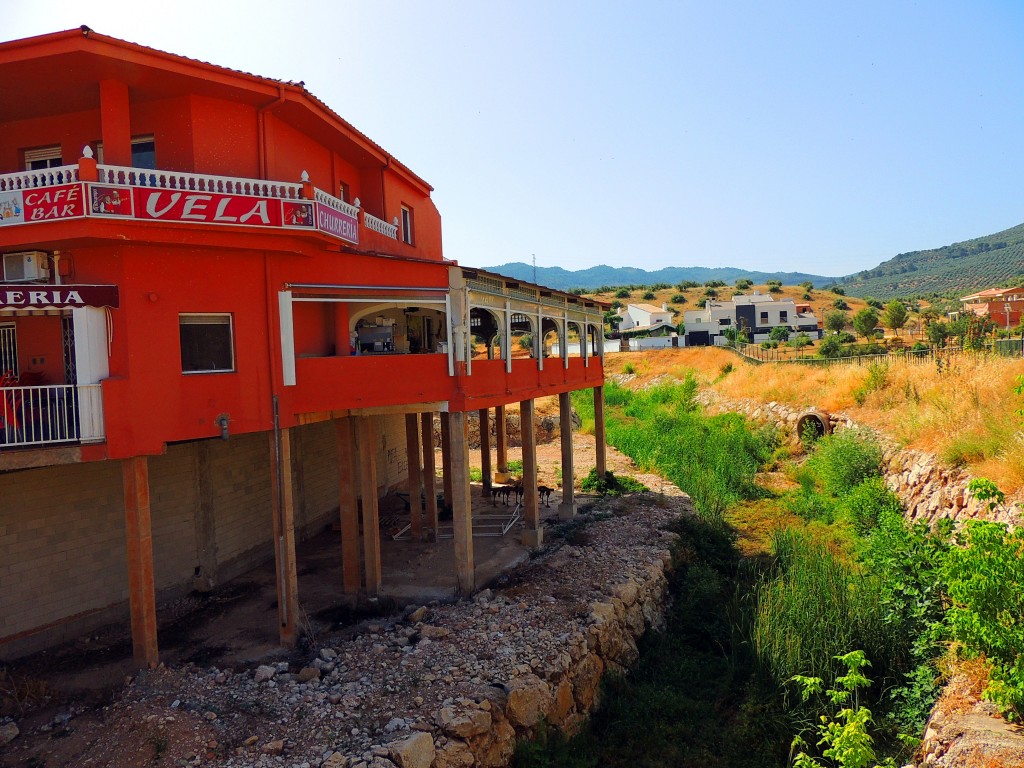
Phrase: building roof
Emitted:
{"points": [[649, 308], [83, 56], [991, 293]]}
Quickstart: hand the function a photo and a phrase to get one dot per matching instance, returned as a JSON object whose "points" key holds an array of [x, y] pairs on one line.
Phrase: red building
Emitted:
{"points": [[1003, 306], [225, 315]]}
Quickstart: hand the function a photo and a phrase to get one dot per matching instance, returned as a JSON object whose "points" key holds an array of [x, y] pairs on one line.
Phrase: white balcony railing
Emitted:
{"points": [[198, 182], [380, 226], [339, 205], [46, 415], [44, 177]]}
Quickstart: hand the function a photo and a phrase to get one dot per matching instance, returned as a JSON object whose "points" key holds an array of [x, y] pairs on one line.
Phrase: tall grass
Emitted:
{"points": [[813, 607], [714, 459]]}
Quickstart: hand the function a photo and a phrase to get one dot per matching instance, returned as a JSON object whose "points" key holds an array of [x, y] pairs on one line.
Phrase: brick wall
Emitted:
{"points": [[173, 499]]}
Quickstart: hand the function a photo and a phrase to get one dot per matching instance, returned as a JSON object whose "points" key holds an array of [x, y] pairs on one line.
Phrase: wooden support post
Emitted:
{"points": [[283, 508], [368, 489], [567, 506], [348, 506], [138, 531], [414, 457], [429, 472], [446, 458], [501, 439], [600, 450], [533, 534], [485, 452], [462, 512]]}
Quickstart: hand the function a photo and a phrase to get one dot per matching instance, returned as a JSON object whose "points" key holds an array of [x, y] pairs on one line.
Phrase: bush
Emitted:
{"points": [[678, 298], [986, 584], [610, 485], [866, 502], [843, 460], [622, 293], [830, 346], [648, 295]]}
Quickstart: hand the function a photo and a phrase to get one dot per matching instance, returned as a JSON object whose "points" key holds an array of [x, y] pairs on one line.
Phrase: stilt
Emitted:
{"points": [[501, 439], [567, 507], [368, 489], [348, 506], [413, 457], [462, 513], [138, 532], [446, 458], [533, 534], [485, 452], [600, 450], [429, 472], [283, 508]]}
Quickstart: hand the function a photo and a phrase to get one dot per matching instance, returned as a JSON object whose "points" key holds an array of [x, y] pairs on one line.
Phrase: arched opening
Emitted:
{"points": [[812, 425], [522, 344], [486, 330], [551, 336]]}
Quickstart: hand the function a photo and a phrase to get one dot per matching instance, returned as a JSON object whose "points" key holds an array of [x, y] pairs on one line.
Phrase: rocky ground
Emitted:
{"points": [[441, 685]]}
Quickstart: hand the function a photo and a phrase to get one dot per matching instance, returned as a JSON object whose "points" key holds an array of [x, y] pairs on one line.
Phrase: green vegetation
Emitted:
{"points": [[610, 485]]}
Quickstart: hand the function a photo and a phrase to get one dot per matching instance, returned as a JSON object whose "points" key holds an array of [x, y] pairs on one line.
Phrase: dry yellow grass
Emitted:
{"points": [[963, 411]]}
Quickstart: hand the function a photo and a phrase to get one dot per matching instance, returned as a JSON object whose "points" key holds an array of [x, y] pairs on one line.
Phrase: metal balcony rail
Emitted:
{"points": [[50, 414]]}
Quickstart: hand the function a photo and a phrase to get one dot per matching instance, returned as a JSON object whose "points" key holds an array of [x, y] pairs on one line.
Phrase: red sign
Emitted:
{"points": [[110, 201], [337, 223], [208, 207], [50, 203], [34, 296]]}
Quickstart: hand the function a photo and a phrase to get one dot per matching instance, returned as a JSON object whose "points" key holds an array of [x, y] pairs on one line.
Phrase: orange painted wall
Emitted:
{"points": [[71, 132], [40, 350], [224, 137]]}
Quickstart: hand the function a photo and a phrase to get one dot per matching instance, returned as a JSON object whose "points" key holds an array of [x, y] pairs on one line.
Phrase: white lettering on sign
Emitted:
{"points": [[47, 298], [260, 209], [195, 203], [151, 202], [219, 215]]}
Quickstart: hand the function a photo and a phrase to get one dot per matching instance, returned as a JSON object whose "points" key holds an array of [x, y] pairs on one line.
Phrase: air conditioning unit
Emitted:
{"points": [[26, 266]]}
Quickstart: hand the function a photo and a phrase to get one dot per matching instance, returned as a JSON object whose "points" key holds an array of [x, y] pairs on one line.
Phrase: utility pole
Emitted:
{"points": [[534, 255]]}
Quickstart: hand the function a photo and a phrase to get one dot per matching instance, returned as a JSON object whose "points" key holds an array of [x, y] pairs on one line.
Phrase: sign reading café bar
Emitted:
{"points": [[34, 296]]}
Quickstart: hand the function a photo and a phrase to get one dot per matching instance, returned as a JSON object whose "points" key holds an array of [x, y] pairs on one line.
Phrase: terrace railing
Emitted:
{"points": [[44, 177], [50, 414], [197, 182], [380, 226]]}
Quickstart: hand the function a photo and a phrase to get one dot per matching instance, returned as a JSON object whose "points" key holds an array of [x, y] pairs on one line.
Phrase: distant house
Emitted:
{"points": [[646, 320], [756, 314], [1002, 305]]}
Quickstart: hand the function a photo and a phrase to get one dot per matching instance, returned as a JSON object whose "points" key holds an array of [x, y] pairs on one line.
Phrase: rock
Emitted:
{"points": [[308, 673], [335, 760], [250, 741], [419, 614], [529, 698], [263, 673], [464, 724], [586, 681], [8, 733], [275, 747], [415, 751], [433, 633]]}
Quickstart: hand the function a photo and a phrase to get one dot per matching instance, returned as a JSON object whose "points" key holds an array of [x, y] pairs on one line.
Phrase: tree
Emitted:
{"points": [[779, 333], [648, 295], [807, 285], [836, 321], [937, 333], [865, 322], [830, 346], [622, 293], [872, 302], [894, 316], [743, 284]]}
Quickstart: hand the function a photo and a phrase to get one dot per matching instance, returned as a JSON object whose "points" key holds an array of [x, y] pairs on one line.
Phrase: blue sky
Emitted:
{"points": [[812, 135]]}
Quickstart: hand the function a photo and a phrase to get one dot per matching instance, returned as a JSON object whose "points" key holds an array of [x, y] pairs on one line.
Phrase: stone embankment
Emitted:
{"points": [[927, 490], [436, 686]]}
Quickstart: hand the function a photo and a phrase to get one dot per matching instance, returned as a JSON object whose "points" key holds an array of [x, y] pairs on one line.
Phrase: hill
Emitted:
{"points": [[957, 269], [596, 277]]}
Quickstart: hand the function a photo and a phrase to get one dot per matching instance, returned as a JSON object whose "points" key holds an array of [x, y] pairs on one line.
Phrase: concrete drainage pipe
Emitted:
{"points": [[813, 422]]}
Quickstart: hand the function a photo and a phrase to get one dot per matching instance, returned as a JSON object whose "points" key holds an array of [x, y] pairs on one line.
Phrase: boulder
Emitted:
{"points": [[415, 751]]}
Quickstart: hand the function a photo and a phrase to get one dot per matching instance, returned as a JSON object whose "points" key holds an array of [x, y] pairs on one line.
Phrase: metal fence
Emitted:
{"points": [[759, 354]]}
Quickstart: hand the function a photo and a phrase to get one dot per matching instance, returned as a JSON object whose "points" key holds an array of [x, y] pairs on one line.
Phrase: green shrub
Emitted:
{"points": [[648, 295], [986, 584], [866, 501], [628, 368], [843, 460], [610, 485], [622, 293], [678, 298]]}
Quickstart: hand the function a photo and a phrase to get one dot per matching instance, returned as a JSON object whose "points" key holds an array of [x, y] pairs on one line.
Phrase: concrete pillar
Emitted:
{"points": [[501, 438], [368, 492], [283, 509], [462, 512], [413, 456], [348, 506], [138, 532], [115, 123], [533, 534], [446, 458], [600, 450], [429, 472], [485, 452], [567, 507]]}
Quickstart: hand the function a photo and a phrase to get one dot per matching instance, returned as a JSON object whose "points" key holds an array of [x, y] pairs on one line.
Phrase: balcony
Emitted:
{"points": [[95, 191], [56, 414]]}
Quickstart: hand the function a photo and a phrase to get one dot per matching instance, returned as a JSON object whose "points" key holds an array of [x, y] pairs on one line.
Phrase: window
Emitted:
{"points": [[724, 321], [44, 157], [764, 318], [407, 224], [783, 316], [344, 193], [8, 350], [206, 343], [143, 152]]}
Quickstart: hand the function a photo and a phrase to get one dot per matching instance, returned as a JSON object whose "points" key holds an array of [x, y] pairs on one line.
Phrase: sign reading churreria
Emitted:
{"points": [[336, 223], [24, 296]]}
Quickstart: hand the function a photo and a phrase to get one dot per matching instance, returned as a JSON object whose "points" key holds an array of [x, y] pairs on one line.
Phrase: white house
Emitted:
{"points": [[755, 313], [637, 318]]}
